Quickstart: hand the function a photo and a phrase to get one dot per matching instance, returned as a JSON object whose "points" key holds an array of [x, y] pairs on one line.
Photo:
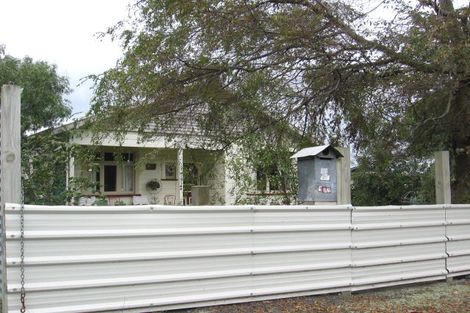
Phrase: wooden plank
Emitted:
{"points": [[11, 144], [442, 179], [10, 155], [343, 169]]}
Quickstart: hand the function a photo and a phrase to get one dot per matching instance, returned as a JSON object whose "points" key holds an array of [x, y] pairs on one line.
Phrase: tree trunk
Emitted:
{"points": [[461, 145]]}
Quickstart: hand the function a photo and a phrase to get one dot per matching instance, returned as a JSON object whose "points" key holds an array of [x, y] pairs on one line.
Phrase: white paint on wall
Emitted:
{"points": [[168, 193]]}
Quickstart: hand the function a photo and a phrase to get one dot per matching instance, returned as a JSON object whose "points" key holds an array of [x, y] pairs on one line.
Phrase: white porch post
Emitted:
{"points": [[179, 173], [70, 171], [232, 190]]}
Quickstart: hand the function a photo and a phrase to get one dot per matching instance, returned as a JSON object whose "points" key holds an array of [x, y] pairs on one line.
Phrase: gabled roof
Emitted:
{"points": [[314, 151], [183, 125]]}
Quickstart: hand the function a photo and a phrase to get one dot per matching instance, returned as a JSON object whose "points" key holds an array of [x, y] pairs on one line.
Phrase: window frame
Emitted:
{"points": [[267, 190], [120, 172]]}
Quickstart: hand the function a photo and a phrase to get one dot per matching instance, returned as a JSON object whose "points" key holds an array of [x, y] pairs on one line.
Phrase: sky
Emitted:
{"points": [[63, 32]]}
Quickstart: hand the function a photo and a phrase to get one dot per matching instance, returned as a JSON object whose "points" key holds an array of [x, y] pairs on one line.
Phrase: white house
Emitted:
{"points": [[187, 171]]}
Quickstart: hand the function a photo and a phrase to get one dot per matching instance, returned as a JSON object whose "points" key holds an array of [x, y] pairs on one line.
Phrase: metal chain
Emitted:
{"points": [[22, 277]]}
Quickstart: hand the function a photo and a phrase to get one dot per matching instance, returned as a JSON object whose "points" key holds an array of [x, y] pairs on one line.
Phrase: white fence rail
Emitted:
{"points": [[136, 259], [458, 244], [393, 245]]}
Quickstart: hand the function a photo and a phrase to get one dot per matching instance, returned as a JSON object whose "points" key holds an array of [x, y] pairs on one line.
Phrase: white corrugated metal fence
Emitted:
{"points": [[458, 240], [89, 259]]}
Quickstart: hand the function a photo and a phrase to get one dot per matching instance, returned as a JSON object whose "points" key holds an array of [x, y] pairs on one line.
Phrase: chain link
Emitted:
{"points": [[22, 277]]}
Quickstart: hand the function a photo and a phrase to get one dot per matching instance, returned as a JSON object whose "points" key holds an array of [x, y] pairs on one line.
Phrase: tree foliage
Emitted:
{"points": [[383, 178], [263, 169], [45, 158], [43, 104], [335, 70]]}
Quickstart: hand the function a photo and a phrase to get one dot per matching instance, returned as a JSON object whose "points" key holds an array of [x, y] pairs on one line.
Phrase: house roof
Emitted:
{"points": [[182, 125], [186, 122]]}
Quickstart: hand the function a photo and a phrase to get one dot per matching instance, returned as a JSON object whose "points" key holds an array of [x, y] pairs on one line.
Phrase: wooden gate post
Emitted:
{"points": [[10, 166], [442, 169], [343, 169]]}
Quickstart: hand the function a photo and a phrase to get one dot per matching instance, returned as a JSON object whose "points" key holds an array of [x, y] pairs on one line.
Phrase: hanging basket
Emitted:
{"points": [[153, 184]]}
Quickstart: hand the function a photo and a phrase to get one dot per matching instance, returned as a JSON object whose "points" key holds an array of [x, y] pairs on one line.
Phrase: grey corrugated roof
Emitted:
{"points": [[313, 151]]}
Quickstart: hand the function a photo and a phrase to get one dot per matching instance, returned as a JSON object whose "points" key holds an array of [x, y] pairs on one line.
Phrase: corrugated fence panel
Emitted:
{"points": [[458, 233], [85, 259], [397, 244], [136, 259]]}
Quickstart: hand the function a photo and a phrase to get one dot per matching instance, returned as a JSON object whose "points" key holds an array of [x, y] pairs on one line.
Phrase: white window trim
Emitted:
{"points": [[119, 176]]}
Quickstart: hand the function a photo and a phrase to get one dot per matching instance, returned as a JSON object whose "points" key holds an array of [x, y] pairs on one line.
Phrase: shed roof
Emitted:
{"points": [[314, 151]]}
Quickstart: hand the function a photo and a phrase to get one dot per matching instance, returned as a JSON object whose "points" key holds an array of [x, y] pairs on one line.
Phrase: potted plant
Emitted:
{"points": [[153, 184]]}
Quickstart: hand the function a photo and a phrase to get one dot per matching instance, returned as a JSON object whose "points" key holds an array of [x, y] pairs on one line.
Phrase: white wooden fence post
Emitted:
{"points": [[10, 167], [442, 168]]}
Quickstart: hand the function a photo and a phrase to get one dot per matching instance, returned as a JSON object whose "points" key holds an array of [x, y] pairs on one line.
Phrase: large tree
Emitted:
{"points": [[43, 104], [396, 72]]}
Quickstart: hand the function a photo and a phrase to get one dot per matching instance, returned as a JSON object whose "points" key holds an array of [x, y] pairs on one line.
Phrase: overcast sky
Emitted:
{"points": [[63, 32]]}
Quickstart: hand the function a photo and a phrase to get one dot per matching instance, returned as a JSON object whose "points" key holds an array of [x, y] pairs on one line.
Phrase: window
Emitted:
{"points": [[110, 178], [116, 173], [270, 179], [93, 174], [128, 177], [170, 170]]}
